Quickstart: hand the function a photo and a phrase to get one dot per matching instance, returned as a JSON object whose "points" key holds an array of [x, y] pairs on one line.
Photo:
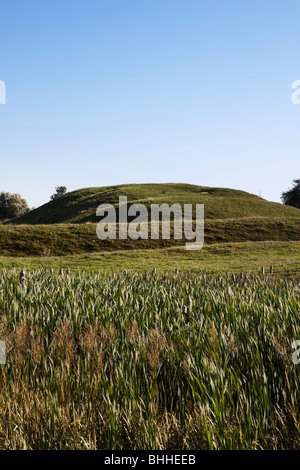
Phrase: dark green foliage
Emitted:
{"points": [[292, 196], [60, 191]]}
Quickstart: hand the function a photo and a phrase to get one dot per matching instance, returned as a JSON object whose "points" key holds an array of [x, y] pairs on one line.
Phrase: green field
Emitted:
{"points": [[63, 231], [100, 359], [141, 362], [224, 257], [242, 233]]}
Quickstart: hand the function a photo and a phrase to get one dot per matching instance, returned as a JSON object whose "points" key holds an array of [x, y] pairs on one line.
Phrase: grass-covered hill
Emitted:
{"points": [[220, 203], [67, 225]]}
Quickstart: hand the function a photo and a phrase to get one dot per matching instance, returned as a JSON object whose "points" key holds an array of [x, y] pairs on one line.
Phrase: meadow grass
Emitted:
{"points": [[96, 361], [220, 257]]}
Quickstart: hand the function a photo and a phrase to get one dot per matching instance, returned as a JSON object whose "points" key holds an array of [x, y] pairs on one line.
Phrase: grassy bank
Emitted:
{"points": [[230, 257], [69, 239]]}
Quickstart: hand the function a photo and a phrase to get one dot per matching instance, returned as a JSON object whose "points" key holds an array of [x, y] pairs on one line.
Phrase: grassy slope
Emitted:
{"points": [[230, 257], [231, 217], [220, 203], [65, 239]]}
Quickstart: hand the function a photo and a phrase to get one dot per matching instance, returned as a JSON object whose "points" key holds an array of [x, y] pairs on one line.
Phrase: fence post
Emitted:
{"points": [[22, 276]]}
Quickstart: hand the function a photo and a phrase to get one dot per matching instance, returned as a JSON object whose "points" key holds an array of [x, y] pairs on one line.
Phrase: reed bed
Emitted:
{"points": [[140, 361]]}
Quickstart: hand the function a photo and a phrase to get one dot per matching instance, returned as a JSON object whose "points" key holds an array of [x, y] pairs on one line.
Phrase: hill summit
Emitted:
{"points": [[220, 203]]}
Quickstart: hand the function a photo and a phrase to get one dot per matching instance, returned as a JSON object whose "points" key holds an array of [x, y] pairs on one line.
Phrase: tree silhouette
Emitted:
{"points": [[60, 191], [292, 196]]}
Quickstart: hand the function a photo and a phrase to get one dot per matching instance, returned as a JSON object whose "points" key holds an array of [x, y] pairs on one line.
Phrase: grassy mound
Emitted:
{"points": [[220, 203]]}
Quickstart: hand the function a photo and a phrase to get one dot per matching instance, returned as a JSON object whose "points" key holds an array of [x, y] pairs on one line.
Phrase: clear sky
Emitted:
{"points": [[143, 91]]}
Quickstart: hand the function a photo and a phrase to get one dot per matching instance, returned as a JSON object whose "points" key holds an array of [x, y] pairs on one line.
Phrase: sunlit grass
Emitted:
{"points": [[220, 257], [140, 362]]}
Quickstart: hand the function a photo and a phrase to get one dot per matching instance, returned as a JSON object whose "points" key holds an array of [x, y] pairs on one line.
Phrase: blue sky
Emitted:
{"points": [[124, 91]]}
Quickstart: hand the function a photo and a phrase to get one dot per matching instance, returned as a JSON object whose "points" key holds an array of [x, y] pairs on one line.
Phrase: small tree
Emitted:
{"points": [[12, 205], [292, 196], [60, 191]]}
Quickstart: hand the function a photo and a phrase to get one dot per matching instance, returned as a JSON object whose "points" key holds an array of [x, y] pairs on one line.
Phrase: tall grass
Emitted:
{"points": [[148, 362]]}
